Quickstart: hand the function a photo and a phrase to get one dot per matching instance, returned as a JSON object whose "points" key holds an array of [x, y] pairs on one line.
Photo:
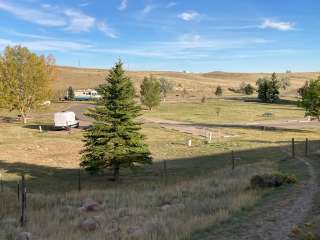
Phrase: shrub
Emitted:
{"points": [[218, 91], [304, 233], [248, 89], [150, 92], [272, 180]]}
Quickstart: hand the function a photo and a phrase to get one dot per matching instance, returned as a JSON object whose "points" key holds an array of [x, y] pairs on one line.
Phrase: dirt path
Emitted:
{"points": [[202, 130], [275, 219], [281, 219]]}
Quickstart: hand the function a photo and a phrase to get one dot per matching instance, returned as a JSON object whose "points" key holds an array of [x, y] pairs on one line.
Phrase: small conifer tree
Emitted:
{"points": [[114, 140]]}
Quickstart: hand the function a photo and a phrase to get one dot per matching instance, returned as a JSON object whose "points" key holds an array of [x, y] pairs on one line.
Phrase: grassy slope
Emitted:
{"points": [[198, 84]]}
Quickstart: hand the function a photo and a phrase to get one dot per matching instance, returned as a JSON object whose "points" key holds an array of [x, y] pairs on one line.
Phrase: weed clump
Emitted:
{"points": [[272, 180]]}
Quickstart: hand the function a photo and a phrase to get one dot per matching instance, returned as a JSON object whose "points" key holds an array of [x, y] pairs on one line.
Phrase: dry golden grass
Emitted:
{"points": [[195, 84], [148, 212]]}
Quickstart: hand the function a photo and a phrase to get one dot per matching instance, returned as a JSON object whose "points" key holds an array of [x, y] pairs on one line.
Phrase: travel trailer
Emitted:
{"points": [[65, 120], [86, 95]]}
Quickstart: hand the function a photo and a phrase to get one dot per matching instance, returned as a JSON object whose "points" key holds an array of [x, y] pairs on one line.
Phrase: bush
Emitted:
{"points": [[248, 89], [218, 91], [150, 92], [203, 99], [272, 180], [305, 233]]}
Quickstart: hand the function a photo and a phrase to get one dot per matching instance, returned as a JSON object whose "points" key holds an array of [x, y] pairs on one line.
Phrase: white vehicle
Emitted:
{"points": [[86, 95], [65, 120]]}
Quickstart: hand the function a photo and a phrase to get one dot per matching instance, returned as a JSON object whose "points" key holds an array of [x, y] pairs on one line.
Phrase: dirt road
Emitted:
{"points": [[203, 130]]}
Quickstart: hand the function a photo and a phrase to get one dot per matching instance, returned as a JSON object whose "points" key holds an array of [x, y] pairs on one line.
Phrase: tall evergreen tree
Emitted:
{"points": [[114, 140]]}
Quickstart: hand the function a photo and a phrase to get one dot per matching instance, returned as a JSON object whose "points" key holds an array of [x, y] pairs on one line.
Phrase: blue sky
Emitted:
{"points": [[198, 36]]}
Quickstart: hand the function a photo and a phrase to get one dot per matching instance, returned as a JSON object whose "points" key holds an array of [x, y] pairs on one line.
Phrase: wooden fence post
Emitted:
{"points": [[165, 172], [307, 147], [79, 180], [1, 182], [293, 149], [18, 190], [233, 160], [23, 201]]}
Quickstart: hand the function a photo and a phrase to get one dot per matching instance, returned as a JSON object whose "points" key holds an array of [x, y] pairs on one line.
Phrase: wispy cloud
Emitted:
{"points": [[48, 15], [123, 5], [106, 29], [281, 26], [84, 4], [48, 45], [33, 15], [189, 15], [171, 4], [78, 21], [189, 47], [148, 8]]}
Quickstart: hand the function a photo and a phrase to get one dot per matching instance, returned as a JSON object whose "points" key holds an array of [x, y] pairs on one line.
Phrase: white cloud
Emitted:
{"points": [[189, 16], [48, 45], [78, 21], [32, 15], [171, 4], [106, 29], [48, 15], [148, 8], [281, 26], [190, 47], [84, 4], [123, 5]]}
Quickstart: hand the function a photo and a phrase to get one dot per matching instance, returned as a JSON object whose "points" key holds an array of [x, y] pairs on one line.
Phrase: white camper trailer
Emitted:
{"points": [[86, 95], [65, 120]]}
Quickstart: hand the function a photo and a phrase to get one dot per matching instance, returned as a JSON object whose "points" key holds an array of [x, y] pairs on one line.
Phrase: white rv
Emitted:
{"points": [[86, 95], [65, 120]]}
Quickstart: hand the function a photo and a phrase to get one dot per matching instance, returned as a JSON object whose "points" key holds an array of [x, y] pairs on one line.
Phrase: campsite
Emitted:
{"points": [[145, 120]]}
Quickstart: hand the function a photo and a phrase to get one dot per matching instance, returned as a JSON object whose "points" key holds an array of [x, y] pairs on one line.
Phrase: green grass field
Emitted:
{"points": [[225, 111], [200, 188]]}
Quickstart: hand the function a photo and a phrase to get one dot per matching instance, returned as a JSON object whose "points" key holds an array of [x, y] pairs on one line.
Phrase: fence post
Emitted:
{"points": [[307, 147], [18, 191], [293, 150], [79, 180], [165, 172], [23, 201], [233, 160], [1, 182]]}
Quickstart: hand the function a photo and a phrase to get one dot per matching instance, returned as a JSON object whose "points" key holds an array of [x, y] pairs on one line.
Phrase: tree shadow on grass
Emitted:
{"points": [[52, 180]]}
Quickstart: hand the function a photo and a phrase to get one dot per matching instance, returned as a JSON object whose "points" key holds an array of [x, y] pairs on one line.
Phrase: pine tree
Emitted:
{"points": [[71, 93], [114, 140], [268, 89]]}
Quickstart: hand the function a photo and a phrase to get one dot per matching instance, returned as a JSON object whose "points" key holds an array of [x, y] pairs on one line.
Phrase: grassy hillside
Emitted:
{"points": [[195, 84]]}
